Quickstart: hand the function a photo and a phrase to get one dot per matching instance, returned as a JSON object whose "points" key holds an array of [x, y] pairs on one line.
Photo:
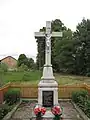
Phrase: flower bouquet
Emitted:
{"points": [[39, 111], [57, 112]]}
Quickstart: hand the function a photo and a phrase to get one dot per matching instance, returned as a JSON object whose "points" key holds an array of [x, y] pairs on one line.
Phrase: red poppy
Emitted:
{"points": [[38, 110], [56, 110]]}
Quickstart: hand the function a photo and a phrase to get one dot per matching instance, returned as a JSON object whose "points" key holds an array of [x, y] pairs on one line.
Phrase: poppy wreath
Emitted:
{"points": [[57, 112], [39, 111]]}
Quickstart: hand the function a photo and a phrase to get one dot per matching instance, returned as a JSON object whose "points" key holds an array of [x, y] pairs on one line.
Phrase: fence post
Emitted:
{"points": [[87, 88], [1, 97]]}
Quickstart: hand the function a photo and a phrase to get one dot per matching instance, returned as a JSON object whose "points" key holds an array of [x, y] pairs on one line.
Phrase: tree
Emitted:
{"points": [[22, 68], [64, 53], [71, 53], [22, 60], [3, 69], [40, 59], [57, 26], [59, 58], [82, 53], [31, 64]]}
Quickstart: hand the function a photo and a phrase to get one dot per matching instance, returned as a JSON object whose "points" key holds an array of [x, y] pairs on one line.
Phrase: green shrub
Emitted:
{"points": [[12, 96], [87, 108], [22, 68], [4, 67], [1, 77], [82, 99], [3, 70], [79, 96], [4, 109]]}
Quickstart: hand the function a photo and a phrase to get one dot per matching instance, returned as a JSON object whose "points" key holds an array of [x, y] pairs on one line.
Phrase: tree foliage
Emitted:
{"points": [[71, 52], [22, 60], [60, 48], [31, 63], [3, 70], [82, 52], [25, 63], [64, 53]]}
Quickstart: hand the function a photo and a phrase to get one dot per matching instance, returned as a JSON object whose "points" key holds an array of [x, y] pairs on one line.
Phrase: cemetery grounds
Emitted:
{"points": [[33, 77]]}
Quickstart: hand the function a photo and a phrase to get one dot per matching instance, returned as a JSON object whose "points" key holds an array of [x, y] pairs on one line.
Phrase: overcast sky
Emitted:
{"points": [[19, 19]]}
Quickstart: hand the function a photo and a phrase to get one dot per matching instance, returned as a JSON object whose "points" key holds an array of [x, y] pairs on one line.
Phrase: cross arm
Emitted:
{"points": [[39, 34], [42, 34], [57, 34]]}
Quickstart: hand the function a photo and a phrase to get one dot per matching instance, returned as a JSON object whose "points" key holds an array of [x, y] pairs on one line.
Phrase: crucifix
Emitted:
{"points": [[47, 70]]}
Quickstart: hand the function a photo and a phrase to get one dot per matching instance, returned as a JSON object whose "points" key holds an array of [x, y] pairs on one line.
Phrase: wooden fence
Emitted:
{"points": [[27, 90], [3, 90], [66, 90], [31, 91]]}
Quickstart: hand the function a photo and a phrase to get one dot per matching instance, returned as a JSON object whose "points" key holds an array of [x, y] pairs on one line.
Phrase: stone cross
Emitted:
{"points": [[48, 87], [47, 71], [48, 34]]}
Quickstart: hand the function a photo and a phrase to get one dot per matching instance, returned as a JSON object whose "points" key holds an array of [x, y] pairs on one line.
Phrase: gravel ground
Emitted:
{"points": [[24, 112]]}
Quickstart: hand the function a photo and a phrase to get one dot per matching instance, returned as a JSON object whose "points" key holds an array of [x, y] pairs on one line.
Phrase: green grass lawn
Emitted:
{"points": [[71, 79], [31, 76], [34, 77]]}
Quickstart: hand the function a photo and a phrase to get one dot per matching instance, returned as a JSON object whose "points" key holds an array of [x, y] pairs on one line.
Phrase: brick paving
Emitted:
{"points": [[24, 112]]}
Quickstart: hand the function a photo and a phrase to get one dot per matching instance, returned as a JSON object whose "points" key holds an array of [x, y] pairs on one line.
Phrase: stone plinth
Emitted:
{"points": [[48, 93], [48, 74]]}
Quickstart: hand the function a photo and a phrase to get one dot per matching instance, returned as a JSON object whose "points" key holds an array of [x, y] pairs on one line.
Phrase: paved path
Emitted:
{"points": [[69, 113], [25, 110]]}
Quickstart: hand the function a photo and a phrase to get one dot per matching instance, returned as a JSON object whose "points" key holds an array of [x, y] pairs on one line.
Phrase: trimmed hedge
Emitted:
{"points": [[12, 96], [82, 99], [4, 109]]}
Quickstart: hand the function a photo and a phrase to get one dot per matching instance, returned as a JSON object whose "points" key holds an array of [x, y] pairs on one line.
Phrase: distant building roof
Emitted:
{"points": [[7, 57]]}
